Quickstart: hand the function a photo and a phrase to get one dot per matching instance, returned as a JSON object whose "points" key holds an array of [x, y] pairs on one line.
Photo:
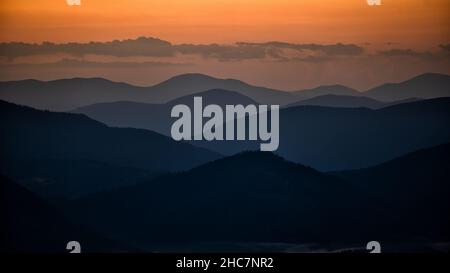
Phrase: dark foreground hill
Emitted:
{"points": [[249, 197], [416, 189], [29, 224], [41, 149], [257, 197]]}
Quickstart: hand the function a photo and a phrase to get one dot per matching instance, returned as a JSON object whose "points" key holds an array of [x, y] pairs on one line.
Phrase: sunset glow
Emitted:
{"points": [[389, 42], [421, 22]]}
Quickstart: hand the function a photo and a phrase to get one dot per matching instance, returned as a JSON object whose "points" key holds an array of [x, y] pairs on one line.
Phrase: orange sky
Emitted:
{"points": [[418, 27], [421, 23]]}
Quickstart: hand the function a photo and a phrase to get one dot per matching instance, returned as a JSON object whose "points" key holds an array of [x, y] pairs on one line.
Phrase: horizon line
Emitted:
{"points": [[218, 78]]}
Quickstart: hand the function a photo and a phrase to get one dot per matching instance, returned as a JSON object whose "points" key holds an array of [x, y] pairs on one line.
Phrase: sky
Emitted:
{"points": [[318, 42]]}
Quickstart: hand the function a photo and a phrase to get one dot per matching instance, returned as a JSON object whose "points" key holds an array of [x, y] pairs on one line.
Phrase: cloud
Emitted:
{"points": [[223, 52], [405, 52], [74, 63], [153, 47], [329, 50], [138, 47]]}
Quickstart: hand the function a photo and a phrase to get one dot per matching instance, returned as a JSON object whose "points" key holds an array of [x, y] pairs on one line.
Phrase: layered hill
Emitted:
{"points": [[42, 149]]}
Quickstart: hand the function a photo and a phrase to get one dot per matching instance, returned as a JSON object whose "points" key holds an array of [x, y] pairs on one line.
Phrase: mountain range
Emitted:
{"points": [[343, 101], [156, 117], [328, 138], [415, 187], [346, 138], [259, 197], [338, 90], [248, 197], [351, 167], [321, 137], [57, 153], [424, 86], [68, 94]]}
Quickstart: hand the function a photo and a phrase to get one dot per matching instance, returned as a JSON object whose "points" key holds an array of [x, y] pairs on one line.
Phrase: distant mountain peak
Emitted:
{"points": [[335, 89], [430, 75], [337, 86], [190, 77], [331, 86], [90, 80], [424, 86], [216, 96], [249, 160], [341, 101]]}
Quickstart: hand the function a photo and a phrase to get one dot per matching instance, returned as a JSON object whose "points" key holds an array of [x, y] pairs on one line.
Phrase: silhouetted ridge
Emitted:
{"points": [[157, 117], [188, 77], [214, 96], [37, 140], [429, 85], [251, 161], [340, 101], [248, 197], [328, 139], [68, 94], [29, 224], [327, 90], [12, 111], [437, 104], [414, 188]]}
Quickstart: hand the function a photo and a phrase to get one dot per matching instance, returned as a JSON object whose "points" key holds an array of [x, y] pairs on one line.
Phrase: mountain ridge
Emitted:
{"points": [[426, 86], [335, 89], [77, 143], [260, 197], [327, 138], [157, 117], [230, 199], [30, 224], [68, 94]]}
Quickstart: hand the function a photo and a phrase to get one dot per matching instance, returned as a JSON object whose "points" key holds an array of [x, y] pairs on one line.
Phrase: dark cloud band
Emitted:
{"points": [[152, 47], [405, 52]]}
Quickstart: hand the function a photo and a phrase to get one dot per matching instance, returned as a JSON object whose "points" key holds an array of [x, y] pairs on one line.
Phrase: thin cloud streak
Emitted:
{"points": [[153, 47]]}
